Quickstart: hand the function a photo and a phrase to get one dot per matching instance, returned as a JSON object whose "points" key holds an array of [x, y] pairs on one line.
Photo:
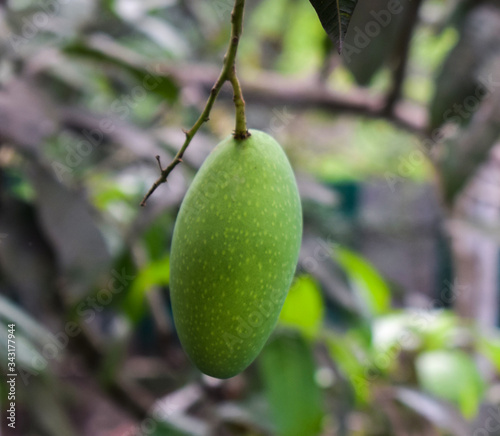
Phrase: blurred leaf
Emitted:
{"points": [[428, 52], [343, 352], [9, 312], [68, 224], [304, 308], [157, 235], [17, 185], [27, 116], [365, 280], [31, 337], [156, 273], [52, 417], [335, 16], [287, 368], [27, 356], [267, 18], [439, 413], [453, 376], [364, 55], [489, 345], [441, 328], [460, 85], [302, 40], [25, 245], [164, 34], [461, 155], [106, 51], [36, 26], [110, 193]]}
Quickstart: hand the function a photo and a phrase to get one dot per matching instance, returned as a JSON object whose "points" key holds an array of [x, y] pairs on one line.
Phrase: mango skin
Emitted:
{"points": [[234, 252]]}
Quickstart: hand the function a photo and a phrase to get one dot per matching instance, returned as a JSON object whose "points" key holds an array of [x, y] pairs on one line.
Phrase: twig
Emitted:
{"points": [[402, 53], [228, 73]]}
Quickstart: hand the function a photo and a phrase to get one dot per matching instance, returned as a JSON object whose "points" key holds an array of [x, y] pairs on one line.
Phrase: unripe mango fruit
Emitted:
{"points": [[234, 251]]}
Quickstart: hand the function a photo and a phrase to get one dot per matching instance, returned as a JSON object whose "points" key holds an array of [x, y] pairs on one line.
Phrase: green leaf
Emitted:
{"points": [[346, 355], [364, 55], [287, 368], [490, 347], [304, 307], [156, 273], [158, 84], [365, 280], [335, 16], [463, 82], [440, 329], [453, 376], [53, 418]]}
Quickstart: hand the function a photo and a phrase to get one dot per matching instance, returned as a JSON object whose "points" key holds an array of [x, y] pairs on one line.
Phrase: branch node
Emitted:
{"points": [[159, 162], [241, 135]]}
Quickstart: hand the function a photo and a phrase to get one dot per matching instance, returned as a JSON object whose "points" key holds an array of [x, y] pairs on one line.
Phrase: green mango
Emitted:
{"points": [[234, 252]]}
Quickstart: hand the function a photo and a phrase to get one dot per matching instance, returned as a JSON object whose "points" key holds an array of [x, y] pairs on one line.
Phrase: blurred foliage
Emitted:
{"points": [[294, 397], [438, 372], [304, 307]]}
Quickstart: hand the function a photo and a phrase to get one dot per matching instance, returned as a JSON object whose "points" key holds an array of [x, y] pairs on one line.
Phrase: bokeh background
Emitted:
{"points": [[391, 326]]}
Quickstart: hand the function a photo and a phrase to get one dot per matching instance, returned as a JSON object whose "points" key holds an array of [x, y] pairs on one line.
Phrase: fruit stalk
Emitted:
{"points": [[228, 73]]}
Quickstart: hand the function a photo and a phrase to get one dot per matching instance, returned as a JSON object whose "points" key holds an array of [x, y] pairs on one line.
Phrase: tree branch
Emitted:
{"points": [[228, 72], [401, 55]]}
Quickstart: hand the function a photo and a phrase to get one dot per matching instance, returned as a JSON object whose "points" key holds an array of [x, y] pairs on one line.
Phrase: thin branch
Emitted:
{"points": [[228, 73], [402, 53], [274, 90]]}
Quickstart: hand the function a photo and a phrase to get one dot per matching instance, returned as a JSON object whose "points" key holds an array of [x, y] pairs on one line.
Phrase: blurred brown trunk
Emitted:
{"points": [[475, 232]]}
